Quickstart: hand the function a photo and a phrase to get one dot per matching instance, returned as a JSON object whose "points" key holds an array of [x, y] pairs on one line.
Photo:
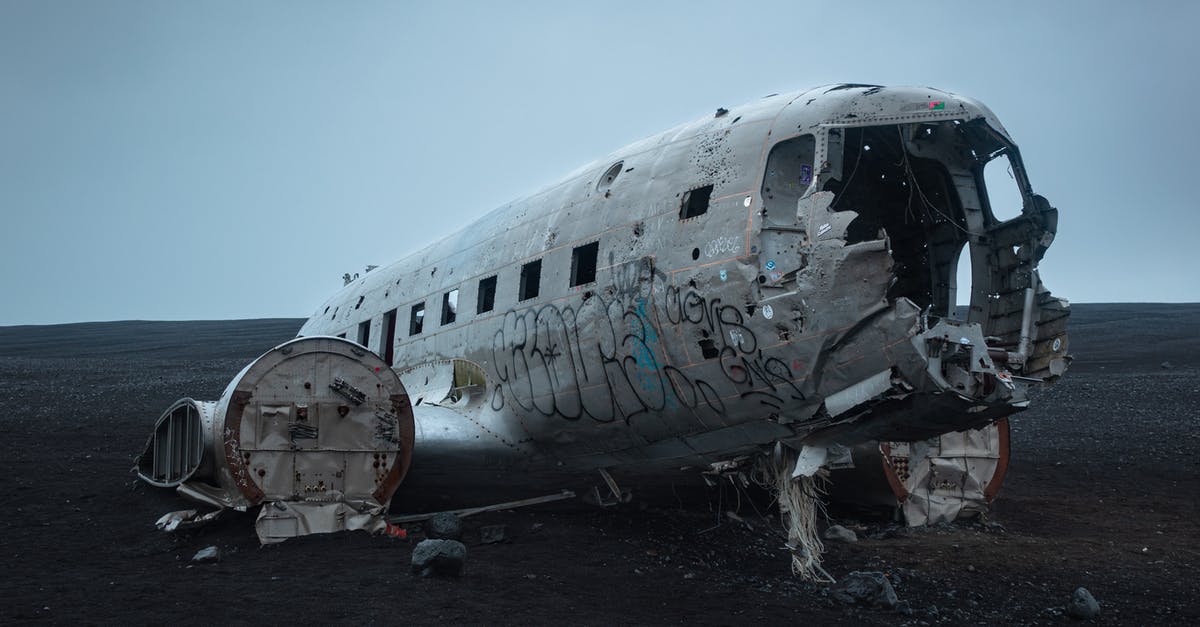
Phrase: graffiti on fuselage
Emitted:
{"points": [[603, 359]]}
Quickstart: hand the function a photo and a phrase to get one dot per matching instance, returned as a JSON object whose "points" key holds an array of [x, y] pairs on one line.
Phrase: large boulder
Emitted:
{"points": [[444, 526], [443, 558], [1083, 605], [865, 588]]}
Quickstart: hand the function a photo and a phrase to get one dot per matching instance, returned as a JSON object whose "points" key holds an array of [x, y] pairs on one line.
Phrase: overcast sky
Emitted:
{"points": [[210, 160]]}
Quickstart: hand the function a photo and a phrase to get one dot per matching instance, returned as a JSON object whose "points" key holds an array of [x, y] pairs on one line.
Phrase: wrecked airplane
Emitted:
{"points": [[763, 288]]}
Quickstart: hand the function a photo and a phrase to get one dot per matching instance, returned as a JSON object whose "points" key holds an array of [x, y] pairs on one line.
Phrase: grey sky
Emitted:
{"points": [[188, 160]]}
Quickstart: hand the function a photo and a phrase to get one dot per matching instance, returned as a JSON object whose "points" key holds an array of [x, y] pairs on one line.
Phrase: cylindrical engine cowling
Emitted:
{"points": [[176, 450], [314, 419]]}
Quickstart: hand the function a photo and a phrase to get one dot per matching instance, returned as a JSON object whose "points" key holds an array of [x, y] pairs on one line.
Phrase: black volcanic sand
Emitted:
{"points": [[1102, 493]]}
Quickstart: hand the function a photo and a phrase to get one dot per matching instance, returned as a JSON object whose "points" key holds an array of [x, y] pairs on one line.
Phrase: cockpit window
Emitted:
{"points": [[1003, 193], [789, 174]]}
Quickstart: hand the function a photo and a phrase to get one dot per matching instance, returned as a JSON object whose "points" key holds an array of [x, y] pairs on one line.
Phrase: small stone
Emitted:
{"points": [[535, 527], [491, 534], [970, 568], [1083, 605], [839, 533], [865, 588], [207, 554], [1166, 365], [689, 575], [439, 557], [444, 526]]}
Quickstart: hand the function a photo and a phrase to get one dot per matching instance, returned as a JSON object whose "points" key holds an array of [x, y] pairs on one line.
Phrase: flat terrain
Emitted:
{"points": [[1102, 493]]}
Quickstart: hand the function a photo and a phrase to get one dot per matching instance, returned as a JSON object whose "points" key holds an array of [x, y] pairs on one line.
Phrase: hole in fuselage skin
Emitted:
{"points": [[898, 190], [708, 348], [695, 254]]}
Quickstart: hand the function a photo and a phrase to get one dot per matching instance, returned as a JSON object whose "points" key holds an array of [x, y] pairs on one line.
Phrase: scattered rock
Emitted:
{"points": [[1083, 605], [444, 526], [1166, 365], [839, 533], [212, 554], [491, 534], [865, 588], [439, 557]]}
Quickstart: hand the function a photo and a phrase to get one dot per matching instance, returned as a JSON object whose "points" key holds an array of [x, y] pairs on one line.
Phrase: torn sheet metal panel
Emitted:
{"points": [[954, 475], [279, 520], [317, 427], [941, 479]]}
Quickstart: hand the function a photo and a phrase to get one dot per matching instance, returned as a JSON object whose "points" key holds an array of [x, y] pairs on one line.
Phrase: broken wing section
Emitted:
{"points": [[317, 430]]}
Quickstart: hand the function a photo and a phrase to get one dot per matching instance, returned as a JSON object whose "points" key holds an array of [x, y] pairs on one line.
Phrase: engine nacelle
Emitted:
{"points": [[318, 428]]}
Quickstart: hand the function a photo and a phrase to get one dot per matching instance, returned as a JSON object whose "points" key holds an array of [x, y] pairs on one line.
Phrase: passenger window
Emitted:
{"points": [[387, 348], [449, 306], [417, 320], [364, 332], [531, 277], [583, 264], [487, 295]]}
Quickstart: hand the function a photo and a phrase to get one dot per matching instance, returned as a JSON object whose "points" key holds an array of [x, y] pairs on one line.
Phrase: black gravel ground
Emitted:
{"points": [[1102, 493]]}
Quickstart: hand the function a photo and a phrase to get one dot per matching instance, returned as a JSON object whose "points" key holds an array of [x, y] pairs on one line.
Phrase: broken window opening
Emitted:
{"points": [[1000, 189], [789, 175], [695, 202], [416, 320], [364, 332], [449, 306], [583, 264], [531, 278], [962, 284], [912, 200], [487, 295], [388, 349]]}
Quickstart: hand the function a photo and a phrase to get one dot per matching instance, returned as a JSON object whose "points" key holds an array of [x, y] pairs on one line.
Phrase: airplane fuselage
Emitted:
{"points": [[783, 271]]}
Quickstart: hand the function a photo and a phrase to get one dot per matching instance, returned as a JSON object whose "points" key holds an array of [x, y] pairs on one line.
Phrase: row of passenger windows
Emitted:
{"points": [[693, 203], [583, 271]]}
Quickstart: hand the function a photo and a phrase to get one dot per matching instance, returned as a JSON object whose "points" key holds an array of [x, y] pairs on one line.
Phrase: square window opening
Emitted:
{"points": [[531, 278], [583, 264], [364, 332], [388, 349], [416, 321], [695, 202], [449, 306], [487, 295]]}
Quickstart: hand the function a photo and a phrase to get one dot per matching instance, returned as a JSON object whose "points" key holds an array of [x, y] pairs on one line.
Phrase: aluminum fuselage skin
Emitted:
{"points": [[704, 338]]}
